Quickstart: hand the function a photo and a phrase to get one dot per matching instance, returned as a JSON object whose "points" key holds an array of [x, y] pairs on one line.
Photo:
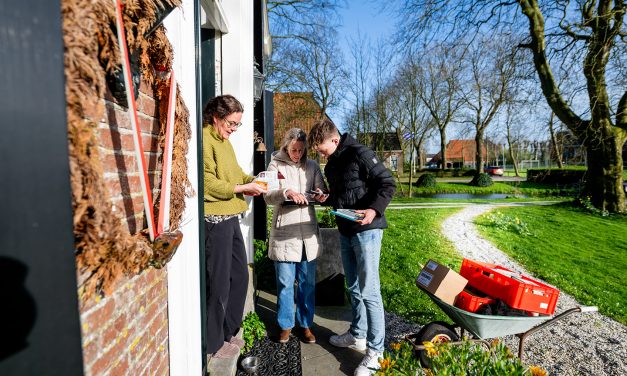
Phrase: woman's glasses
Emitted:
{"points": [[232, 124]]}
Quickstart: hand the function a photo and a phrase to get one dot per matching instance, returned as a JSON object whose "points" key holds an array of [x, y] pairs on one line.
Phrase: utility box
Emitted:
{"points": [[441, 281]]}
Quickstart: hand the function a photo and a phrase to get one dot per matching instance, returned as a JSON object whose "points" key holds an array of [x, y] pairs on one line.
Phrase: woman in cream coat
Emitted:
{"points": [[294, 237]]}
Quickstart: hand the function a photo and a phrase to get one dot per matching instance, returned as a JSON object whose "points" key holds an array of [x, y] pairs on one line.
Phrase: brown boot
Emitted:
{"points": [[308, 336], [285, 335]]}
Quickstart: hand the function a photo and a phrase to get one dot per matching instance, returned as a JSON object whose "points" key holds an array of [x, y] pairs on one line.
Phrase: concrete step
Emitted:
{"points": [[223, 366]]}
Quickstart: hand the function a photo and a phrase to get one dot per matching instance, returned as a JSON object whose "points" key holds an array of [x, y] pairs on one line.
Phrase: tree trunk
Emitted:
{"points": [[479, 152], [411, 168], [603, 141], [419, 153], [558, 152], [443, 148], [604, 179], [511, 151]]}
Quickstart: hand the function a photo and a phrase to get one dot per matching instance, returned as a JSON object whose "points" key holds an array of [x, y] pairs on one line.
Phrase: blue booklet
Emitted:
{"points": [[349, 214]]}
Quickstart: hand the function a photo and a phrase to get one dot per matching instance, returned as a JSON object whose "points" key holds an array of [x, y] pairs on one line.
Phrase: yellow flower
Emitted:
{"points": [[430, 348], [537, 371], [395, 346], [384, 363]]}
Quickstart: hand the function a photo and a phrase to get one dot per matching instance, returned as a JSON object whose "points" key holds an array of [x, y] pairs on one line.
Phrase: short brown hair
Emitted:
{"points": [[320, 131], [221, 107]]}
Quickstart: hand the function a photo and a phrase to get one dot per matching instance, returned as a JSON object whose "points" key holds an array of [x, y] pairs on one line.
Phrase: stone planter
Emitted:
{"points": [[330, 262], [329, 271]]}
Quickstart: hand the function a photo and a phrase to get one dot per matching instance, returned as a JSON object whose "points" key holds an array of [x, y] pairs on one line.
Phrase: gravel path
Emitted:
{"points": [[582, 344]]}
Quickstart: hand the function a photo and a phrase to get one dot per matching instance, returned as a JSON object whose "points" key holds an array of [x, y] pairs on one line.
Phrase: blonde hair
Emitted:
{"points": [[294, 134]]}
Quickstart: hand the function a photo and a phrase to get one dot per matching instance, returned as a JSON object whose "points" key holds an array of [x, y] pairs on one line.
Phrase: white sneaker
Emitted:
{"points": [[369, 364], [347, 340]]}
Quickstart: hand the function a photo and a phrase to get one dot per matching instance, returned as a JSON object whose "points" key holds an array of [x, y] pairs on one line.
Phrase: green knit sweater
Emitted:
{"points": [[221, 174]]}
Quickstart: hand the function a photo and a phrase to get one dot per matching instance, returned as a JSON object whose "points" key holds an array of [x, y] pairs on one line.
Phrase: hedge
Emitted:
{"points": [[556, 176]]}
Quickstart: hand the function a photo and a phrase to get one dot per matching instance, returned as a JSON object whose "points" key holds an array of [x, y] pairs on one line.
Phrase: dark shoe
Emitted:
{"points": [[285, 335], [308, 336]]}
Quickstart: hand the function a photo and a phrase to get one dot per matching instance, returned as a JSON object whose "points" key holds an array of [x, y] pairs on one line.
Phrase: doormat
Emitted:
{"points": [[277, 359]]}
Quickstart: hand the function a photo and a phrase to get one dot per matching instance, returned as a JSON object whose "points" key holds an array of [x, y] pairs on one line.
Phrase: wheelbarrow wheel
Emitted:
{"points": [[435, 332]]}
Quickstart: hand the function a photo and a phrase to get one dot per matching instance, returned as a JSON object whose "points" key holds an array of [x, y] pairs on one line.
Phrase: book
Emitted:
{"points": [[349, 214]]}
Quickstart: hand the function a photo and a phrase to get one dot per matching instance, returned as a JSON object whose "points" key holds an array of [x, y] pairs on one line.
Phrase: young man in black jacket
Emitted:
{"points": [[359, 181]]}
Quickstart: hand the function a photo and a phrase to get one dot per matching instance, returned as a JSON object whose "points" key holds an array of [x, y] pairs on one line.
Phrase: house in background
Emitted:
{"points": [[459, 154], [300, 110], [388, 148], [294, 110]]}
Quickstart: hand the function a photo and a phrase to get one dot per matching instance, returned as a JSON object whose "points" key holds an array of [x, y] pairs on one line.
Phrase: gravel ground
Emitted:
{"points": [[582, 344]]}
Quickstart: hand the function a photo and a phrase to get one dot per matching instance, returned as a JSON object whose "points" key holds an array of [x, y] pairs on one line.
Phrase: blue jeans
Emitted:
{"points": [[360, 256], [304, 273]]}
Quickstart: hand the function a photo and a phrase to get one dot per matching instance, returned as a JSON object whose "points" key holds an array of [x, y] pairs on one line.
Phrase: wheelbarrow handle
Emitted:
{"points": [[585, 309]]}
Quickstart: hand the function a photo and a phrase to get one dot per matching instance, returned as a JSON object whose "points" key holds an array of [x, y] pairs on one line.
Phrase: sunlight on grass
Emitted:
{"points": [[583, 254], [412, 238]]}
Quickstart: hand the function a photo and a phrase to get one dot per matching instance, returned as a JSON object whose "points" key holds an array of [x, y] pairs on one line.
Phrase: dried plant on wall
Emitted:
{"points": [[105, 249]]}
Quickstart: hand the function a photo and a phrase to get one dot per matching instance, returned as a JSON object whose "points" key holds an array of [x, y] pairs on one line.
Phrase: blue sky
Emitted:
{"points": [[365, 17]]}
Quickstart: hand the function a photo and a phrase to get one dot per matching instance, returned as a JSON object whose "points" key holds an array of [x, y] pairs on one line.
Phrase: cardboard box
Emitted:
{"points": [[441, 281]]}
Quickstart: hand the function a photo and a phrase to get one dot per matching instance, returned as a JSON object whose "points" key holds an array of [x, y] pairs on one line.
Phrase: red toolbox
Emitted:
{"points": [[515, 290], [470, 302]]}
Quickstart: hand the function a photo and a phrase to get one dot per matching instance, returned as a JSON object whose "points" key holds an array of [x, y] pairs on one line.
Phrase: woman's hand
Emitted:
{"points": [[298, 198], [250, 189], [369, 215]]}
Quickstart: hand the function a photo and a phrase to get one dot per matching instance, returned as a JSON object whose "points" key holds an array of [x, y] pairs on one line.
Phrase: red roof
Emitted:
{"points": [[463, 150], [460, 151]]}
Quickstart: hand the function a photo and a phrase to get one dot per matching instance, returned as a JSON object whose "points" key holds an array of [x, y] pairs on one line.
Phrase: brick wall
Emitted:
{"points": [[126, 333]]}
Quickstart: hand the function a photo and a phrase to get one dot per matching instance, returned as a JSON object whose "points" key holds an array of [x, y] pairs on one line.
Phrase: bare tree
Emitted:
{"points": [[509, 125], [382, 93], [441, 88], [409, 113], [591, 34], [305, 51], [315, 64], [492, 74], [556, 149], [358, 82]]}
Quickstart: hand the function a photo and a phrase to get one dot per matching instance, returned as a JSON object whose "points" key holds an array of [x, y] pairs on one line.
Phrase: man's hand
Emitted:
{"points": [[369, 215]]}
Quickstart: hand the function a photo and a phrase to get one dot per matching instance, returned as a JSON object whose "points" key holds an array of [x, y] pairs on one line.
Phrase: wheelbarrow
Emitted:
{"points": [[481, 327]]}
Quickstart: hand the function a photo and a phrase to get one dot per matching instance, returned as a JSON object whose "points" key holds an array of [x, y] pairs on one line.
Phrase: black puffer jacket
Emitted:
{"points": [[358, 180]]}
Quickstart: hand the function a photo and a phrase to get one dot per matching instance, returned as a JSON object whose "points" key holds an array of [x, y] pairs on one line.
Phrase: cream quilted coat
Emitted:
{"points": [[293, 225]]}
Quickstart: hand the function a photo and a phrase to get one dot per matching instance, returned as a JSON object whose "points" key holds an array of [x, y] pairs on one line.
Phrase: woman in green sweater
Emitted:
{"points": [[225, 187]]}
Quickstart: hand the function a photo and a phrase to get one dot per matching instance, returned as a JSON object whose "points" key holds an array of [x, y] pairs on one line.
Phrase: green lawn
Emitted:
{"points": [[412, 238], [583, 254]]}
